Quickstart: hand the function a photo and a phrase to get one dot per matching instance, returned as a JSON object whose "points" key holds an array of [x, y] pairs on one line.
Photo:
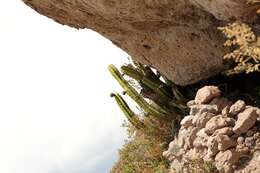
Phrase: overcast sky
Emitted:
{"points": [[56, 115]]}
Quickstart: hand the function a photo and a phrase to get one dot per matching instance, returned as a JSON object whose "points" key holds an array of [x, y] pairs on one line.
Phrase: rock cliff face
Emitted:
{"points": [[178, 37], [220, 132]]}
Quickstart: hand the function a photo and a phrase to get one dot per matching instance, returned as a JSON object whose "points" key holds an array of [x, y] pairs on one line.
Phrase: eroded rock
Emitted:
{"points": [[209, 135], [225, 142], [218, 122], [225, 159], [237, 107], [206, 94], [245, 120], [187, 121], [200, 120]]}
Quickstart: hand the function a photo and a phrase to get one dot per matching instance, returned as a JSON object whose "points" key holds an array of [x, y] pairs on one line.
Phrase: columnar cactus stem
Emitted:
{"points": [[159, 112], [157, 86], [130, 115]]}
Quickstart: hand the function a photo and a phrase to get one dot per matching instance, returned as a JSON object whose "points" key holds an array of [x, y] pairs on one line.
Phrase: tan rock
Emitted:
{"points": [[225, 111], [191, 103], [190, 137], [237, 9], [201, 139], [175, 37], [245, 121], [201, 108], [240, 140], [206, 94], [249, 142], [218, 122], [200, 120], [221, 102], [225, 159], [225, 142], [224, 131], [237, 107], [187, 121]]}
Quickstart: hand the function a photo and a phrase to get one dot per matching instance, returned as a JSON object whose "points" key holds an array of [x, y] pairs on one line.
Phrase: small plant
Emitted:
{"points": [[140, 155], [246, 45]]}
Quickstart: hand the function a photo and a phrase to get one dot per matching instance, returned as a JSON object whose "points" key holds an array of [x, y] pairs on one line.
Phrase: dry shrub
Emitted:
{"points": [[140, 154], [246, 45]]}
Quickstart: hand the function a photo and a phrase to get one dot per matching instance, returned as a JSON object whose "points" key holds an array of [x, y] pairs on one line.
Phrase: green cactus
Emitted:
{"points": [[130, 115], [155, 89], [154, 84], [154, 111]]}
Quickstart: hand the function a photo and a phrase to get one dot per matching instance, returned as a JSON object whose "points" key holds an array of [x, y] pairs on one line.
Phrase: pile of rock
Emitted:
{"points": [[217, 131]]}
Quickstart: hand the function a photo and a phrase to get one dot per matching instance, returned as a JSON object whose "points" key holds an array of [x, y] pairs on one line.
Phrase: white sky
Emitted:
{"points": [[56, 115]]}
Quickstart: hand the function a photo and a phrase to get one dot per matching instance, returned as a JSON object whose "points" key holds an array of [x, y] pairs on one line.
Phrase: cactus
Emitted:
{"points": [[130, 115], [154, 84], [154, 111], [155, 89]]}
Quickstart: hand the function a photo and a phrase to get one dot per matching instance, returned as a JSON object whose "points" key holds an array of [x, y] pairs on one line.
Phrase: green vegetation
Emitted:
{"points": [[162, 106]]}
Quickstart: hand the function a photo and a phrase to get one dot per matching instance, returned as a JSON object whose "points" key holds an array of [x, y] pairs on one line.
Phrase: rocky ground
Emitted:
{"points": [[217, 131]]}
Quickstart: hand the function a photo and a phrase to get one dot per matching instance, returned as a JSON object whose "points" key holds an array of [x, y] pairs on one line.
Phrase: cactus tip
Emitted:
{"points": [[112, 95]]}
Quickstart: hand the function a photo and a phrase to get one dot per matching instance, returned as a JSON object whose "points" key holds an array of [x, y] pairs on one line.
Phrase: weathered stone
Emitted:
{"points": [[224, 131], [245, 121], [189, 138], [227, 9], [225, 111], [203, 108], [175, 37], [221, 102], [201, 139], [206, 94], [240, 140], [217, 142], [187, 121], [249, 142], [218, 122], [191, 103], [250, 165], [243, 150], [225, 159], [225, 142], [200, 120], [237, 107], [212, 144], [250, 133]]}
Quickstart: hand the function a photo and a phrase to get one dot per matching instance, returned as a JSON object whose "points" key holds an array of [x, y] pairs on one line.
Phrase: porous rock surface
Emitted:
{"points": [[228, 136], [177, 37]]}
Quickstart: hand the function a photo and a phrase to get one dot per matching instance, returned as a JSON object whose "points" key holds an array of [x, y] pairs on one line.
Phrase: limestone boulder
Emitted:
{"points": [[177, 37]]}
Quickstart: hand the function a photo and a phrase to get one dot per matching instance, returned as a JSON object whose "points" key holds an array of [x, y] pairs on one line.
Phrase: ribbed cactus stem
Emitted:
{"points": [[155, 84], [135, 95], [130, 115], [146, 71]]}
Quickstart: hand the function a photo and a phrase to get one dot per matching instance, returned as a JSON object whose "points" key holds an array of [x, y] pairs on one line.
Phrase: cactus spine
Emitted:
{"points": [[130, 115], [159, 112]]}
